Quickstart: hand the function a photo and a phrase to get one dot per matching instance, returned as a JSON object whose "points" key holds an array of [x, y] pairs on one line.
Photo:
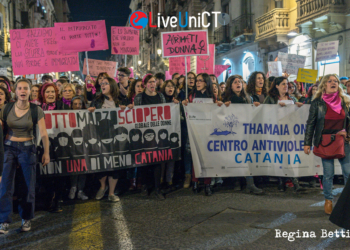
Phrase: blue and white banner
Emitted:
{"points": [[243, 140]]}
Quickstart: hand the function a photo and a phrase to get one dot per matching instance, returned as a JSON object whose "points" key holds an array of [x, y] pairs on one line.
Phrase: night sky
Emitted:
{"points": [[114, 12]]}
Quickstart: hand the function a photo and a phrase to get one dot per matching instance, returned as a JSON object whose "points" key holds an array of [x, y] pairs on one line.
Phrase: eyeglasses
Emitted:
{"points": [[121, 75], [190, 78], [104, 83], [170, 87], [67, 91], [199, 80]]}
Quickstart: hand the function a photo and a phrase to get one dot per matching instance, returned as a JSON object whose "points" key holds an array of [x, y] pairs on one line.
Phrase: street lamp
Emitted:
{"points": [[139, 62], [159, 51]]}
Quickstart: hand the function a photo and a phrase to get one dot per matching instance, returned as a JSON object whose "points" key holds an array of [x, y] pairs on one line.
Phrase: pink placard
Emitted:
{"points": [[35, 51], [220, 68], [177, 65], [167, 75], [98, 66], [125, 41], [205, 64], [185, 43], [82, 36]]}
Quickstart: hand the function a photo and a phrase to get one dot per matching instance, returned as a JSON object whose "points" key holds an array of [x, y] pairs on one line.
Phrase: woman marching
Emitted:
{"points": [[278, 94], [20, 120], [329, 116], [235, 93], [202, 89]]}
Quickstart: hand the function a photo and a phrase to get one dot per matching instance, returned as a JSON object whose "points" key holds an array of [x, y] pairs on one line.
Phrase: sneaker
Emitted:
{"points": [[113, 198], [82, 196], [26, 225], [101, 193], [72, 193], [4, 227]]}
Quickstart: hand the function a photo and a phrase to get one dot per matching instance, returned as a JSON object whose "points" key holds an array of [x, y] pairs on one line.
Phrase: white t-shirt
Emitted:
{"points": [[108, 104]]}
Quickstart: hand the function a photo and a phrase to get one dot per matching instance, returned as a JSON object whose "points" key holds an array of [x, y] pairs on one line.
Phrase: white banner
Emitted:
{"points": [[243, 140]]}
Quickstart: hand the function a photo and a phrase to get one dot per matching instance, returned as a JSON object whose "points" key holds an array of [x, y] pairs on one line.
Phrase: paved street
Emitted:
{"points": [[227, 220]]}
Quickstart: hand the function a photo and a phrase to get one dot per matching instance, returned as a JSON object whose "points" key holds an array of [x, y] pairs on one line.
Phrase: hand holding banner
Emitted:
{"points": [[82, 36]]}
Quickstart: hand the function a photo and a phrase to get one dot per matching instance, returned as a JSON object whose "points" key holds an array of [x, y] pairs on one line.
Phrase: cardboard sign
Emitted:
{"points": [[291, 63], [327, 51], [98, 66], [35, 51], [219, 69], [185, 43], [206, 64], [177, 65], [275, 68], [125, 41], [307, 75], [82, 36]]}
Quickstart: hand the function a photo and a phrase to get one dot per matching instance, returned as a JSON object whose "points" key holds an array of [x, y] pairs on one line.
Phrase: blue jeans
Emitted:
{"points": [[328, 172], [23, 154]]}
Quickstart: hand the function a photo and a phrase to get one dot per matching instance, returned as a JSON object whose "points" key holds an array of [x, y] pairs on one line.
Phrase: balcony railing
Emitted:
{"points": [[2, 43], [221, 35], [311, 9], [275, 22], [241, 25]]}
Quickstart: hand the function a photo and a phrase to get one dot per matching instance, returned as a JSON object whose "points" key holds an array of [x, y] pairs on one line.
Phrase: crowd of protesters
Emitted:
{"points": [[22, 107]]}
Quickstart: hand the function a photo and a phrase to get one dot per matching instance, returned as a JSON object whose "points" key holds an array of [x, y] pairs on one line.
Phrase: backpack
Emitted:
{"points": [[33, 111]]}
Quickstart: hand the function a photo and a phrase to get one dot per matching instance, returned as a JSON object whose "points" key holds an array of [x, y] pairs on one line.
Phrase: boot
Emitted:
{"points": [[187, 182], [132, 184], [328, 206], [195, 188], [251, 188], [281, 185], [297, 187], [159, 194], [208, 190]]}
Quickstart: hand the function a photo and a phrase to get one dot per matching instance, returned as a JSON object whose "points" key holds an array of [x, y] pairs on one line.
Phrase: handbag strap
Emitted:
{"points": [[332, 140]]}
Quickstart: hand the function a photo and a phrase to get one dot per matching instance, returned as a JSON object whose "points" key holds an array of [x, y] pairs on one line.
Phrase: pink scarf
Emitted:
{"points": [[49, 106], [334, 101]]}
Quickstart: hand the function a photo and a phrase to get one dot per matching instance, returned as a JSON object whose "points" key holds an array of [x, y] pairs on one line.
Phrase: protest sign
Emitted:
{"points": [[220, 68], [125, 41], [35, 51], [177, 65], [98, 66], [327, 51], [3, 71], [275, 68], [249, 141], [111, 139], [81, 36], [307, 75], [206, 64], [30, 76], [185, 43], [291, 62], [167, 75]]}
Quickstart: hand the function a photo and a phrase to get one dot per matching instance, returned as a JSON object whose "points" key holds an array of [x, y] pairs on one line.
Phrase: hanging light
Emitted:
{"points": [[292, 33]]}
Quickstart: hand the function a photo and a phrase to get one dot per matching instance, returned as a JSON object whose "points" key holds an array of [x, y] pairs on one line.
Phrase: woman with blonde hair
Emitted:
{"points": [[66, 93], [329, 119]]}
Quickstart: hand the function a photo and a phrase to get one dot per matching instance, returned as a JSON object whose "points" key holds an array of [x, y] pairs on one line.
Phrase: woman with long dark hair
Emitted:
{"points": [[191, 81], [311, 93], [235, 93], [150, 96], [107, 99], [202, 89], [93, 88], [5, 97], [257, 87]]}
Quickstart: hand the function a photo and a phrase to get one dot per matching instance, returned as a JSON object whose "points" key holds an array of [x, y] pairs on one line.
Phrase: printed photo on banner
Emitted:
{"points": [[110, 139]]}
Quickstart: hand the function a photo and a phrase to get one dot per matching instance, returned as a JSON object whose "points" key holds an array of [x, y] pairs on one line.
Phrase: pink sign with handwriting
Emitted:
{"points": [[98, 66], [35, 51], [185, 43], [82, 36], [125, 41], [177, 65], [206, 64]]}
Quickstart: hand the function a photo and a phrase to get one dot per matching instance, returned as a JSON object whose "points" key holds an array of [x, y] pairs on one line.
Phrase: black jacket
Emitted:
{"points": [[315, 122], [99, 100], [256, 98]]}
